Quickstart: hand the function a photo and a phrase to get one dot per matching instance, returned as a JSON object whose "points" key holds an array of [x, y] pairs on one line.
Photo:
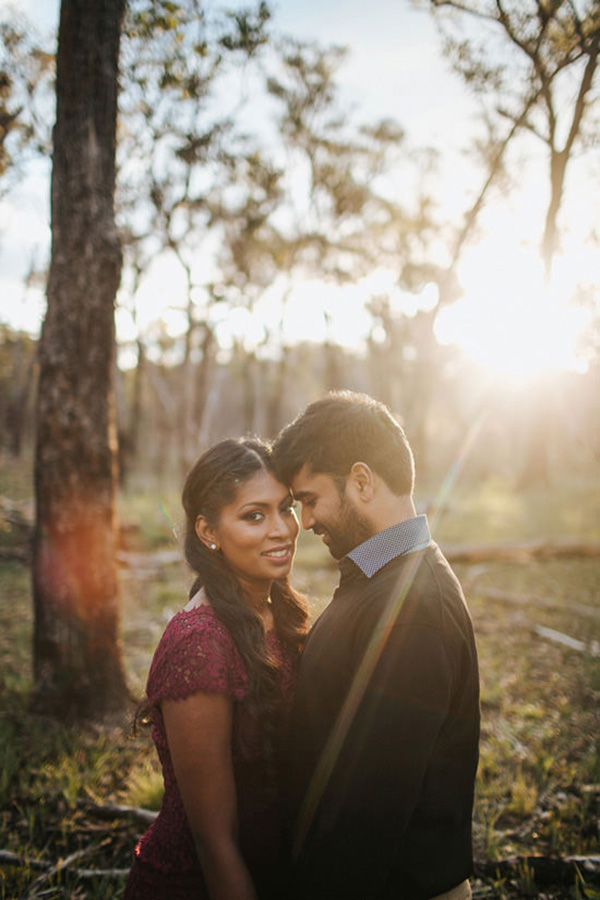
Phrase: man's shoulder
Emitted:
{"points": [[424, 579]]}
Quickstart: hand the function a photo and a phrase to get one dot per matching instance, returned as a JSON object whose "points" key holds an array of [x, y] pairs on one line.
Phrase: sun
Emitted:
{"points": [[508, 321]]}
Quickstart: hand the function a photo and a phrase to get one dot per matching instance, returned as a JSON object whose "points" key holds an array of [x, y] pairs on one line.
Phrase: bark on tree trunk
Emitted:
{"points": [[274, 406], [425, 373], [15, 415], [77, 656], [204, 376]]}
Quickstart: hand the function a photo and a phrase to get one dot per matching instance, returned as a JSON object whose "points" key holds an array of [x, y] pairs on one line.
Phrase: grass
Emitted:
{"points": [[538, 786], [495, 511]]}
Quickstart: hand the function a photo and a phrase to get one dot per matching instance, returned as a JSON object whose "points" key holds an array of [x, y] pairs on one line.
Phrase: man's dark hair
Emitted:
{"points": [[343, 428]]}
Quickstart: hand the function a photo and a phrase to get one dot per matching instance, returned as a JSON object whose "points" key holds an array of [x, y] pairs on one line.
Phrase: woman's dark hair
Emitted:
{"points": [[213, 483]]}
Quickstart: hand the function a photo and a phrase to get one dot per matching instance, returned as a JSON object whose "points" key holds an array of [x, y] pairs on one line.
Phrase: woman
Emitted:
{"points": [[220, 684]]}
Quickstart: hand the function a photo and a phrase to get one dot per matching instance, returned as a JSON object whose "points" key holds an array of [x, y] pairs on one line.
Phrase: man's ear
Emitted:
{"points": [[206, 533], [362, 481]]}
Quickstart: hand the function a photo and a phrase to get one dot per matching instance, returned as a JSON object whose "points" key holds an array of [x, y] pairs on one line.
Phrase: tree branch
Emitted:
{"points": [[546, 869], [115, 811], [565, 548], [586, 83], [53, 870], [471, 215]]}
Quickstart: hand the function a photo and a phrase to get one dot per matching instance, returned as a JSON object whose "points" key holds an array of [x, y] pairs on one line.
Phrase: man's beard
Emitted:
{"points": [[349, 530]]}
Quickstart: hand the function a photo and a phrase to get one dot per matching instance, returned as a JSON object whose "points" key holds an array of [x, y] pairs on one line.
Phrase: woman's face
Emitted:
{"points": [[257, 532]]}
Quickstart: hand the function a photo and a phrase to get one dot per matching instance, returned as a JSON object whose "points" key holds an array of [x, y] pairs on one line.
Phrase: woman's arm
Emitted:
{"points": [[199, 735]]}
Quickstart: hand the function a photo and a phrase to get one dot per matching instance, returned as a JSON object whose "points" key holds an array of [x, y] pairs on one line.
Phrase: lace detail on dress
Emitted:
{"points": [[196, 653]]}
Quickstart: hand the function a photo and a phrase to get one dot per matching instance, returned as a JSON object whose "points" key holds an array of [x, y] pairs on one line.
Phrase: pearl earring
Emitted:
{"points": [[213, 546]]}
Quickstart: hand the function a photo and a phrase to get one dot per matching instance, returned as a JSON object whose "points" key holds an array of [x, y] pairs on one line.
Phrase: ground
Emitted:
{"points": [[538, 786]]}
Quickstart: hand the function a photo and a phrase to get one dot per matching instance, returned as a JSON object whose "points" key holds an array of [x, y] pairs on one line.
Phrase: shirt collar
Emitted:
{"points": [[405, 537]]}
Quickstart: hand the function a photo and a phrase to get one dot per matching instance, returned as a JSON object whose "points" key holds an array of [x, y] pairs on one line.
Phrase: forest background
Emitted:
{"points": [[287, 244]]}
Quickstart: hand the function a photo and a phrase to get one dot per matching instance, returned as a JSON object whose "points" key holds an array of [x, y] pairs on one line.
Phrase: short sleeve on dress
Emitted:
{"points": [[195, 653]]}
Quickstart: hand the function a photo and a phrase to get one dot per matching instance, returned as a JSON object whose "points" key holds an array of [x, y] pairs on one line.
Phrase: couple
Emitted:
{"points": [[339, 765]]}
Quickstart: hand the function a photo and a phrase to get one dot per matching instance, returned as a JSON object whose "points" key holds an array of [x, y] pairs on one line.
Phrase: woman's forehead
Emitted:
{"points": [[262, 487]]}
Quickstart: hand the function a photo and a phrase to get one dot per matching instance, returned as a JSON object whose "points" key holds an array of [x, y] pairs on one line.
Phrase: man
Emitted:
{"points": [[385, 728]]}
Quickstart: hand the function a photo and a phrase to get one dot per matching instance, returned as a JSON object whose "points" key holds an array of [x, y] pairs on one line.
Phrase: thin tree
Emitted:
{"points": [[537, 69], [77, 658], [179, 151], [26, 72]]}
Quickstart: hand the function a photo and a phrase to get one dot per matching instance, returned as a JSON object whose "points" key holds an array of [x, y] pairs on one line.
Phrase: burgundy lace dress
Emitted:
{"points": [[196, 653]]}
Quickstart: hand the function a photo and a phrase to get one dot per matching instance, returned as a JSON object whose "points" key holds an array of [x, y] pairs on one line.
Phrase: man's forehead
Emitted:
{"points": [[308, 482]]}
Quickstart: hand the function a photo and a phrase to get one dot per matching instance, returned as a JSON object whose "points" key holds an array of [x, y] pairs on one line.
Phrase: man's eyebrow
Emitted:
{"points": [[302, 495]]}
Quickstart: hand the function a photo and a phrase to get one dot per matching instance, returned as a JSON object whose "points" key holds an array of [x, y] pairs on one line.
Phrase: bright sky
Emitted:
{"points": [[395, 69]]}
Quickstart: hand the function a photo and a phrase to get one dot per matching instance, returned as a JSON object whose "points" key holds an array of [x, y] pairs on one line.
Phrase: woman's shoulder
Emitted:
{"points": [[196, 623], [195, 653]]}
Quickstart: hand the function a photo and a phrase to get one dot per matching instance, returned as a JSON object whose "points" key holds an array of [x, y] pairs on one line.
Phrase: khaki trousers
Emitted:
{"points": [[460, 892]]}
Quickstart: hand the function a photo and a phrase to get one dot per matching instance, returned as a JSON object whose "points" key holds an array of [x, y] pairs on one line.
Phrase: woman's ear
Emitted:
{"points": [[206, 533], [362, 481]]}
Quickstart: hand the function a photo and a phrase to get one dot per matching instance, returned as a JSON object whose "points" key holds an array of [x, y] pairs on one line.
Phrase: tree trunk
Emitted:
{"points": [[77, 656], [17, 410], [129, 437], [204, 375], [274, 405], [425, 373], [249, 374], [558, 168], [538, 422]]}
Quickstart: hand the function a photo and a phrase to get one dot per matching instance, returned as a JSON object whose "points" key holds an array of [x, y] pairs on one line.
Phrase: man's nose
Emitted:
{"points": [[308, 520]]}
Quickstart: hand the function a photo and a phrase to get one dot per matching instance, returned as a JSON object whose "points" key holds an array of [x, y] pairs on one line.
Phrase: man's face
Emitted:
{"points": [[327, 512]]}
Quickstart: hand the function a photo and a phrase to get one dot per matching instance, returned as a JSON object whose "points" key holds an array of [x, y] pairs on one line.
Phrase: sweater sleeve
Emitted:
{"points": [[195, 654]]}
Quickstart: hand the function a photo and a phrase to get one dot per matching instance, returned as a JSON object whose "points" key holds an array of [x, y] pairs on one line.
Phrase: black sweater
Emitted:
{"points": [[384, 737]]}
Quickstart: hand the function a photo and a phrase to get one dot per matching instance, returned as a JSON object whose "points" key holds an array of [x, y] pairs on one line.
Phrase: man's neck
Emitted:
{"points": [[391, 511]]}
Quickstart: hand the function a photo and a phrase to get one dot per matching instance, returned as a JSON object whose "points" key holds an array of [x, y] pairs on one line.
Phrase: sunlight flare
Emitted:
{"points": [[507, 321]]}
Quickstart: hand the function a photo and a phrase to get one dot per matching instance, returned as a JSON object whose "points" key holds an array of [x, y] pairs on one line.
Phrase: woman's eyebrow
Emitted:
{"points": [[266, 503]]}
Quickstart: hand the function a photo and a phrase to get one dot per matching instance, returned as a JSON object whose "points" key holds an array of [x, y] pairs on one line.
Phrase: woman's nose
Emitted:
{"points": [[280, 525]]}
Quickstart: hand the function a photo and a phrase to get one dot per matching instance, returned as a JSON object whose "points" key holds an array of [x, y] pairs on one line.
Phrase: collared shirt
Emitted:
{"points": [[405, 537]]}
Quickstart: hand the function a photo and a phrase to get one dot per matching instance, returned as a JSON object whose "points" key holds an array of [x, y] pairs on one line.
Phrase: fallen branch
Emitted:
{"points": [[593, 648], [115, 811], [546, 870], [53, 870], [150, 561], [8, 858], [100, 873], [15, 553], [557, 637], [542, 602], [559, 548]]}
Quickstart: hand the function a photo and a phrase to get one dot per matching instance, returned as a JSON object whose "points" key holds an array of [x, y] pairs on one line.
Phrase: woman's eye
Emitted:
{"points": [[255, 516]]}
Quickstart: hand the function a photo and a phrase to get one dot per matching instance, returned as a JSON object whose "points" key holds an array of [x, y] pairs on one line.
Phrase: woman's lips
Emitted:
{"points": [[281, 554]]}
